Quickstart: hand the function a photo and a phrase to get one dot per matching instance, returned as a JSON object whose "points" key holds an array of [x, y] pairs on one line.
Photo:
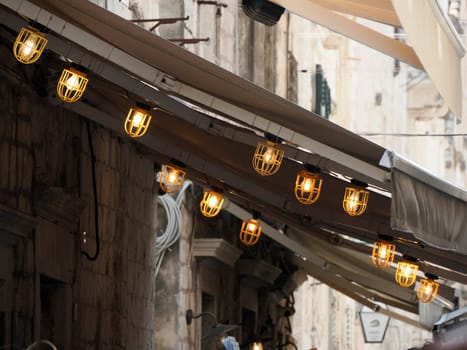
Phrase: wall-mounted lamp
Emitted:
{"points": [[71, 85], [428, 289], [267, 158], [137, 121], [406, 273], [308, 185], [217, 328], [355, 198], [211, 204], [29, 45], [171, 178], [250, 232], [383, 254]]}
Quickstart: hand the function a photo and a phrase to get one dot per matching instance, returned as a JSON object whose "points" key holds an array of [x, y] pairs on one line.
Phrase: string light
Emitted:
{"points": [[250, 232], [137, 122], [427, 289], [267, 158], [383, 254], [71, 85], [308, 187], [29, 45], [355, 199], [171, 178], [406, 273], [211, 203]]}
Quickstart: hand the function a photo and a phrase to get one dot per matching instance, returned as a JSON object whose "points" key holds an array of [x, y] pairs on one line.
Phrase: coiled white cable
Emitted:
{"points": [[43, 341], [30, 347], [171, 233]]}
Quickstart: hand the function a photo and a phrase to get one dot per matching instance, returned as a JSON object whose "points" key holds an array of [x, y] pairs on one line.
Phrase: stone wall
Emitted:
{"points": [[51, 289]]}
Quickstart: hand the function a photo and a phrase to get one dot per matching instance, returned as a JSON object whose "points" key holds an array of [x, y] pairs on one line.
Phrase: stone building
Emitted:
{"points": [[83, 216]]}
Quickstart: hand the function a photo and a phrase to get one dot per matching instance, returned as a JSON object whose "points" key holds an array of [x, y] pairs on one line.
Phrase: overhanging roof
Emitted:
{"points": [[125, 60], [440, 55]]}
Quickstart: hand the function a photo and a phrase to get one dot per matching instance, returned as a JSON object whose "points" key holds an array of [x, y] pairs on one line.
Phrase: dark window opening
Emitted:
{"points": [[207, 305], [248, 325], [53, 312]]}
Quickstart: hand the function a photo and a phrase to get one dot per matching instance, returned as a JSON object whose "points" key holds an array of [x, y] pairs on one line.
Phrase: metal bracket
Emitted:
{"points": [[188, 41], [160, 21]]}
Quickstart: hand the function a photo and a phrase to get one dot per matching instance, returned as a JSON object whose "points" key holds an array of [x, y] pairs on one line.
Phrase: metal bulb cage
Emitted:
{"points": [[71, 85], [308, 187], [29, 45], [267, 158], [355, 200], [250, 232], [211, 204], [406, 273], [427, 290], [172, 178], [383, 254], [137, 122]]}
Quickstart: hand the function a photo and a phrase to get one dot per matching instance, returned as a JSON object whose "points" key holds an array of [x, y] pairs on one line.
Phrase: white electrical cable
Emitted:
{"points": [[30, 347], [171, 233], [43, 341]]}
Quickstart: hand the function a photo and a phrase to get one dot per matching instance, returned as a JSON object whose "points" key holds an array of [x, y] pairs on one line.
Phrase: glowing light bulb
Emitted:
{"points": [[268, 156], [213, 201], [355, 201], [137, 119], [72, 82], [383, 252], [172, 177], [307, 185], [251, 226], [256, 346], [28, 47]]}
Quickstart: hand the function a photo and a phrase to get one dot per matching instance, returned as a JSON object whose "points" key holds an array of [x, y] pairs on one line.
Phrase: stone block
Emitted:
{"points": [[101, 144], [12, 173], [115, 151], [4, 161], [88, 286], [27, 166], [24, 131]]}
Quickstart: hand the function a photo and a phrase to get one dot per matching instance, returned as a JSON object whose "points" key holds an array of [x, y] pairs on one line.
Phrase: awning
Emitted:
{"points": [[125, 60], [432, 210], [440, 55]]}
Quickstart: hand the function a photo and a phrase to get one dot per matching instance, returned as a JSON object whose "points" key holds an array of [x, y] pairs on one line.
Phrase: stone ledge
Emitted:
{"points": [[258, 269], [14, 225], [59, 207], [216, 248]]}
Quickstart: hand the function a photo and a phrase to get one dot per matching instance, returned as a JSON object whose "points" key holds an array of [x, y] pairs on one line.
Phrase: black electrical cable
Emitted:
{"points": [[94, 187]]}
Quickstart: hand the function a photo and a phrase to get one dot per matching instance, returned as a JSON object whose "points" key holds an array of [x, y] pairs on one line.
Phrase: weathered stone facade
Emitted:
{"points": [[50, 289]]}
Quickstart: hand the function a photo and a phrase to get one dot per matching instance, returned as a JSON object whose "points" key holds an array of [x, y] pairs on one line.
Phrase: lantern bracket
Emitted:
{"points": [[386, 238], [143, 105], [359, 183], [409, 258], [272, 138], [178, 163], [312, 168]]}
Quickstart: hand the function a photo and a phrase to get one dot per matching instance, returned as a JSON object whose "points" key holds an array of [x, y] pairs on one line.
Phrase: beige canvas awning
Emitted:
{"points": [[434, 44], [125, 61], [437, 46]]}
